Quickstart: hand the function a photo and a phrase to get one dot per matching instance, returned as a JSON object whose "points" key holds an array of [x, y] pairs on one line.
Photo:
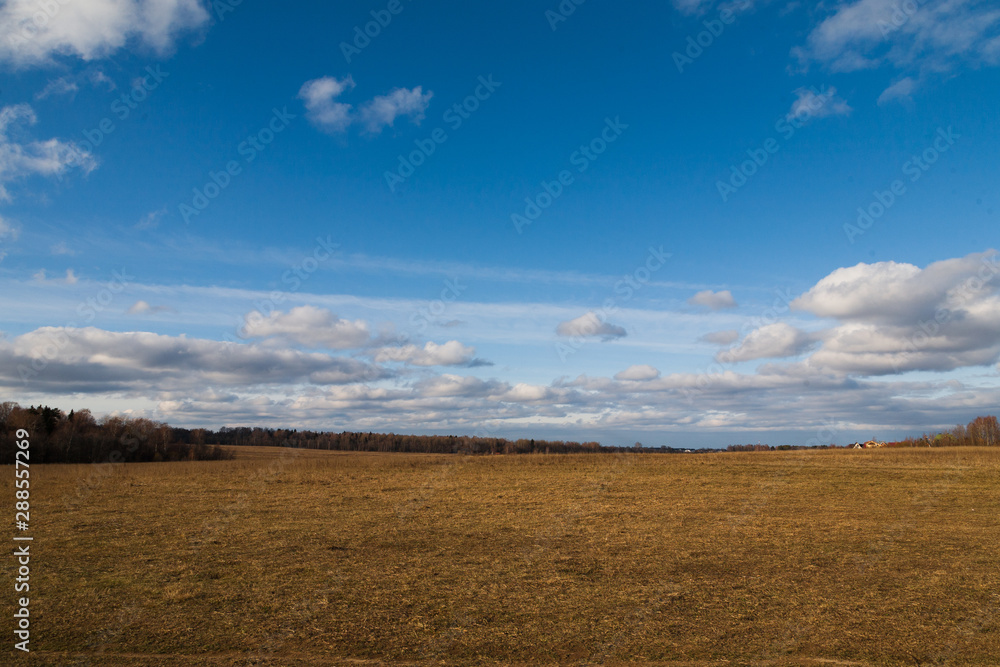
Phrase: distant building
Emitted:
{"points": [[871, 444]]}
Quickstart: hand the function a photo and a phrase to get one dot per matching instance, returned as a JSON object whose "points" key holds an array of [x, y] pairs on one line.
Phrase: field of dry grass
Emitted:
{"points": [[878, 557]]}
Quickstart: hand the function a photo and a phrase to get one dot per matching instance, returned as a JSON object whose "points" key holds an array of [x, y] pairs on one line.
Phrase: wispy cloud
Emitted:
{"points": [[8, 230], [931, 36], [61, 86], [901, 90], [151, 220], [69, 279], [813, 103], [62, 248], [51, 157]]}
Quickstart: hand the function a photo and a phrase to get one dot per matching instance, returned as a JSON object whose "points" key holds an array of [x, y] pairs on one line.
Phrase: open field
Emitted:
{"points": [[291, 557]]}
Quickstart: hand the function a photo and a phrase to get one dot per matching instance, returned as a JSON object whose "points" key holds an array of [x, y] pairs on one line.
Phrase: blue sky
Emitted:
{"points": [[680, 223]]}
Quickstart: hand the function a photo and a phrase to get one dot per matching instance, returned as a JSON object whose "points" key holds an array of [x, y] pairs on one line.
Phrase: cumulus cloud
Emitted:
{"points": [[769, 341], [589, 324], [383, 110], [713, 300], [201, 382], [308, 325], [638, 373], [896, 317], [812, 103], [936, 35], [51, 157], [527, 393], [721, 337], [452, 353], [332, 117], [899, 293], [323, 112], [35, 34]]}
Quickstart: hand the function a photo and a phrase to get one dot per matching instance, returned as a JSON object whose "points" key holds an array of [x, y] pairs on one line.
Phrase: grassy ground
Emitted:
{"points": [[878, 557]]}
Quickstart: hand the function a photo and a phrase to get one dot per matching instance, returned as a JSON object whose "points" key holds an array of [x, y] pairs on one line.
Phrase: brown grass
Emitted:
{"points": [[878, 557]]}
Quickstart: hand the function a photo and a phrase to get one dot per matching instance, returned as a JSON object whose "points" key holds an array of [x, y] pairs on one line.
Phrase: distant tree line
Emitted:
{"points": [[349, 441], [57, 437], [980, 432], [76, 437]]}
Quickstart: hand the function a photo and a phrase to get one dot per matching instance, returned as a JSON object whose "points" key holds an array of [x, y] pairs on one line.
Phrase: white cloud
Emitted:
{"points": [[321, 110], [94, 360], [447, 384], [97, 76], [897, 293], [141, 307], [528, 393], [896, 317], [52, 157], [334, 117], [93, 29], [901, 90], [769, 341], [638, 373], [713, 300], [721, 337], [589, 324], [936, 35], [452, 353], [308, 325], [203, 382], [812, 103], [383, 110], [61, 86]]}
